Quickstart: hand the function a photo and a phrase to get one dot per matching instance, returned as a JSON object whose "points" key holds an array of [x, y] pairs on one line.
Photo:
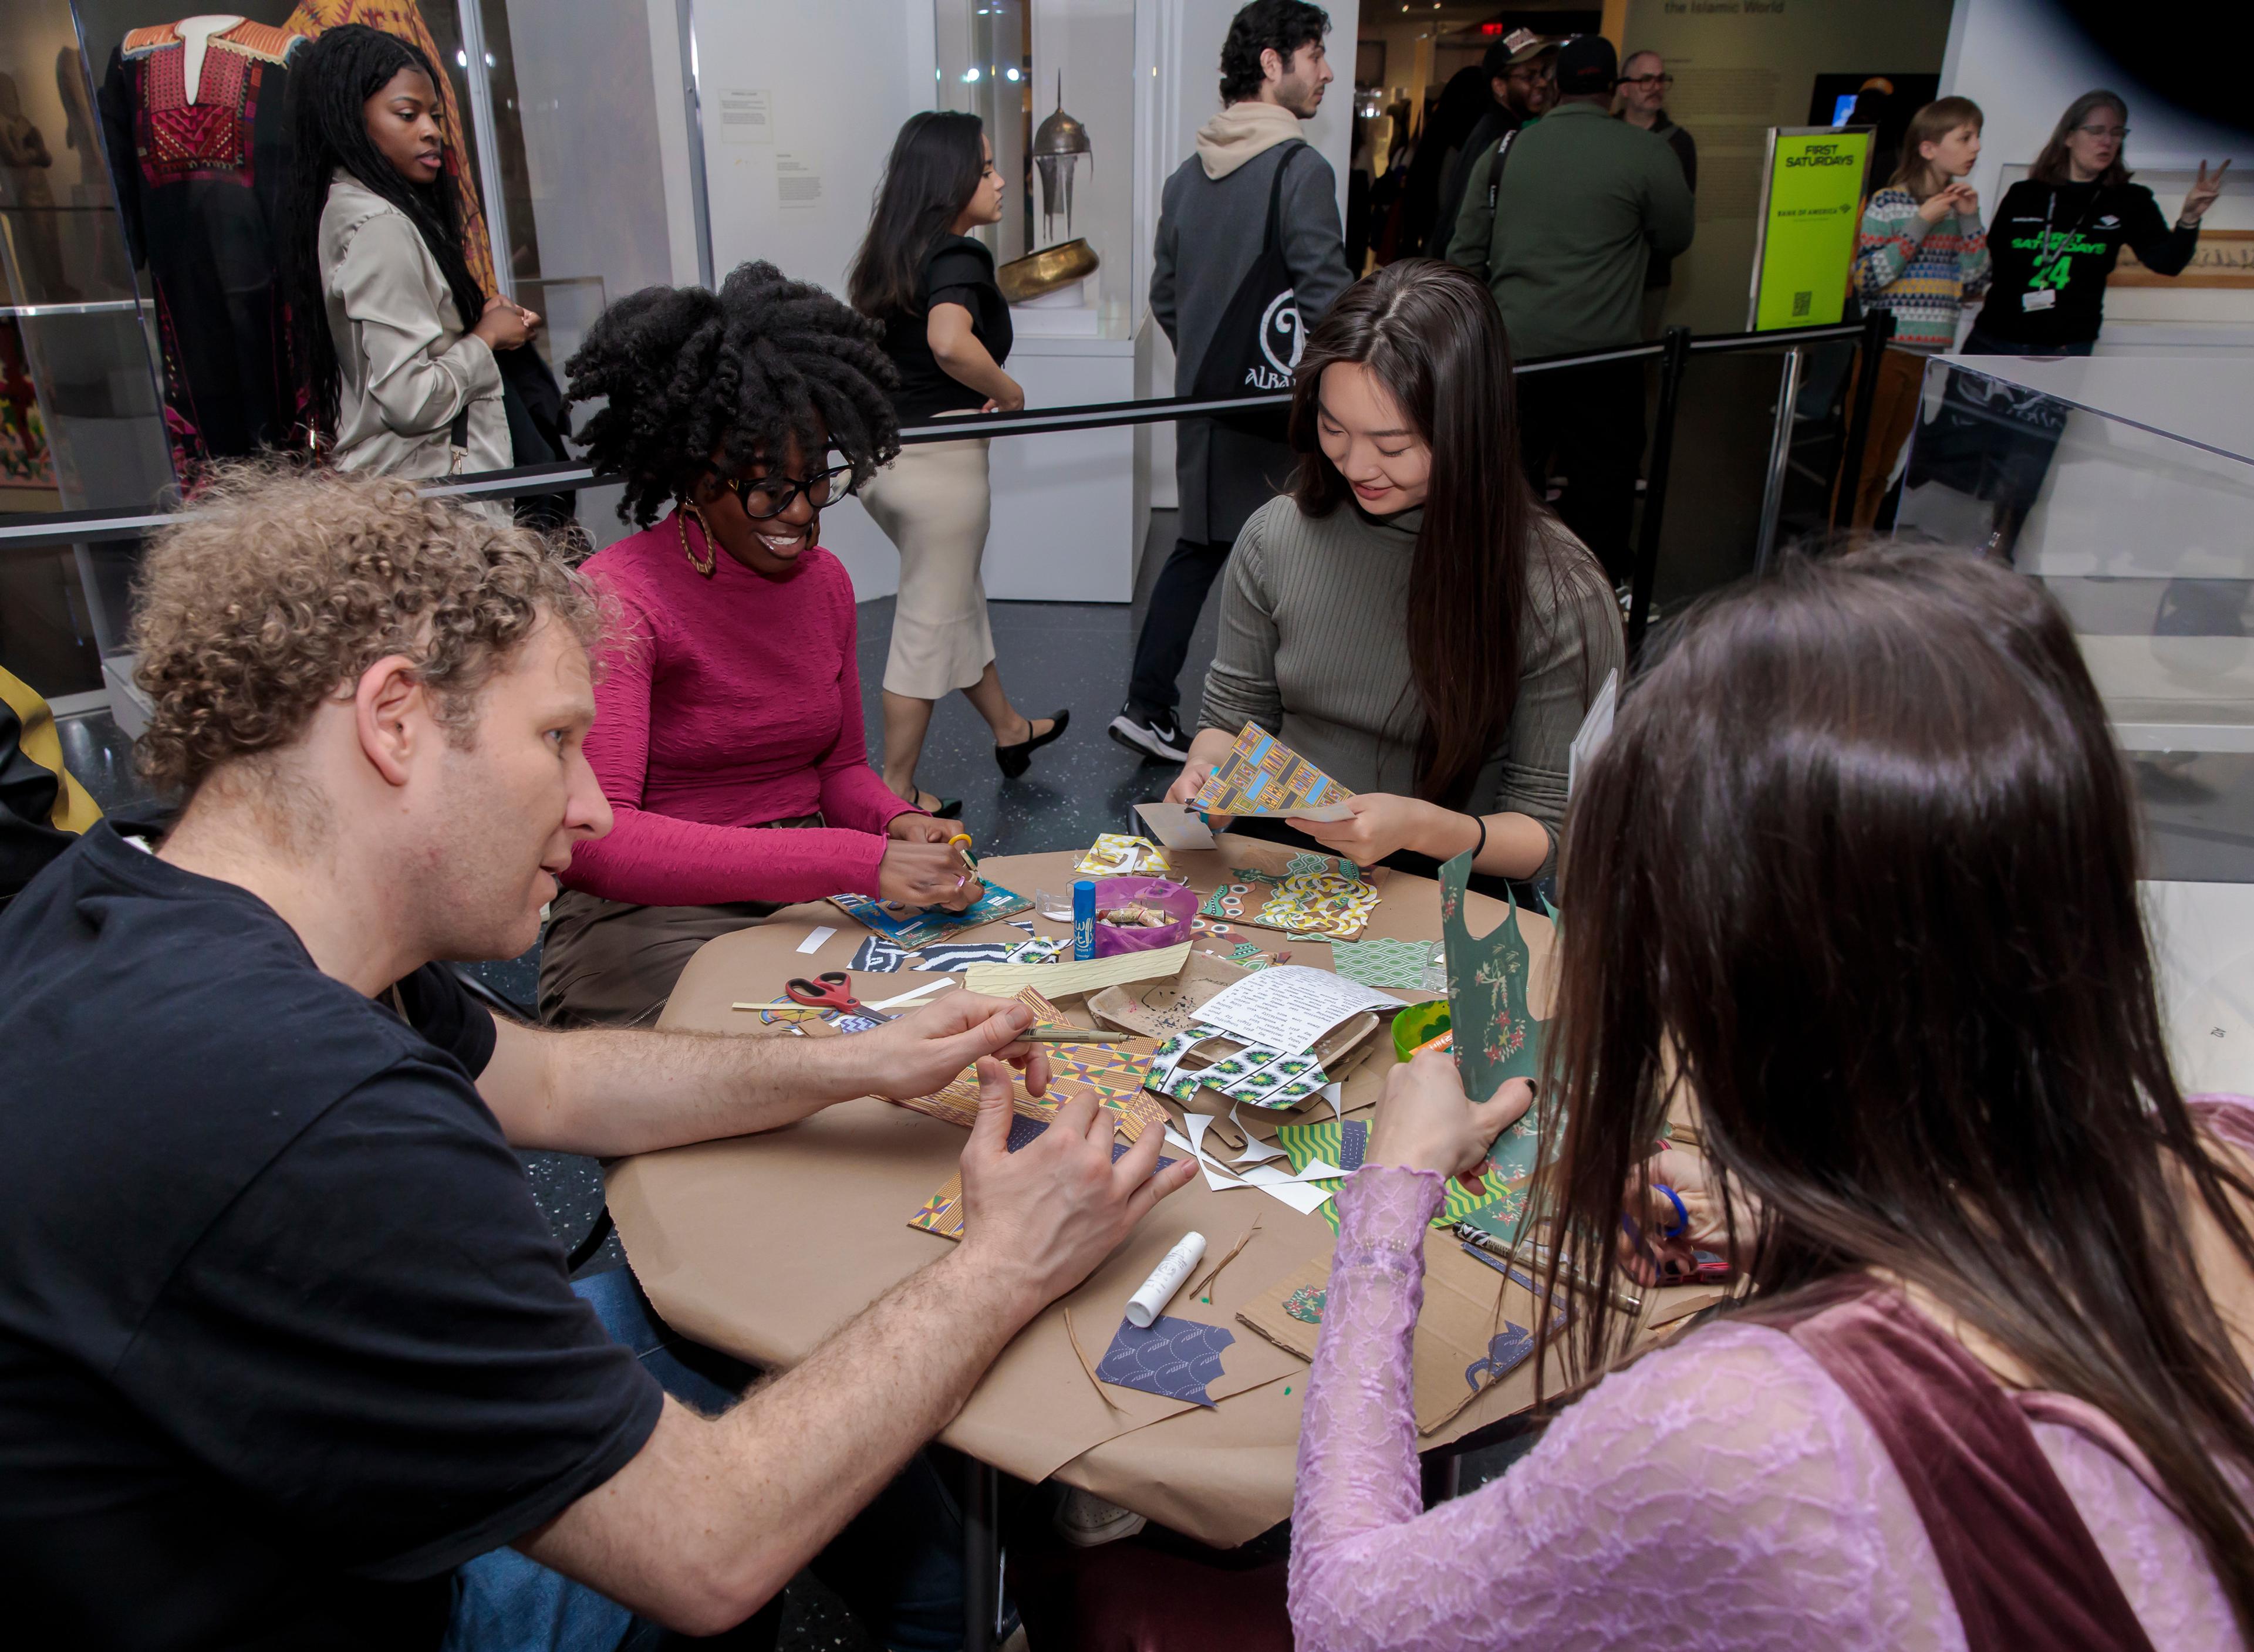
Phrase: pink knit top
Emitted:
{"points": [[720, 705], [1722, 1492]]}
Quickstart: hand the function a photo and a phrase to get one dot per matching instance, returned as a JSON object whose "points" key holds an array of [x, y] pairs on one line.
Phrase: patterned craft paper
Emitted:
{"points": [[1497, 1036], [910, 926], [1117, 855], [1406, 966], [1261, 775], [1341, 1142], [879, 956], [1315, 895], [1174, 1359], [1115, 1072]]}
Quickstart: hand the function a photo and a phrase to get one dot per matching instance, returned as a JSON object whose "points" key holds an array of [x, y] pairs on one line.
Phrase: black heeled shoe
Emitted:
{"points": [[938, 807], [1014, 761]]}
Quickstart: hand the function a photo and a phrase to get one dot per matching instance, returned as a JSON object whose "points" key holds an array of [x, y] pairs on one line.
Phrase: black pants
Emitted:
{"points": [[1176, 601], [1585, 425]]}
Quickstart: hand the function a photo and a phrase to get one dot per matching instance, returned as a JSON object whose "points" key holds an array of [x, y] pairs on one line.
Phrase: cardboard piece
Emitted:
{"points": [[911, 925], [1497, 1036], [1261, 775], [1089, 974], [1477, 1327], [1176, 825]]}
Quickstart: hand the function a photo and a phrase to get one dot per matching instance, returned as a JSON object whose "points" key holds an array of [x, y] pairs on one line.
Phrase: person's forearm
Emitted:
{"points": [[1516, 847], [1210, 746], [776, 1478], [606, 1093], [970, 363]]}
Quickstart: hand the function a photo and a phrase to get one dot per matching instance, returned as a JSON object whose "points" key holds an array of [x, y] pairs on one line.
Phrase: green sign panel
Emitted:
{"points": [[1811, 207]]}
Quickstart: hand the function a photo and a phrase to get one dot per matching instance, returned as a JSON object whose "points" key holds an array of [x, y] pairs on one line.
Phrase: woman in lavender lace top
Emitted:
{"points": [[1860, 859]]}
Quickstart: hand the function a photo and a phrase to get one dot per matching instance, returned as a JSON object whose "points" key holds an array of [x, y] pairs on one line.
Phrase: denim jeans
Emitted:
{"points": [[897, 1564]]}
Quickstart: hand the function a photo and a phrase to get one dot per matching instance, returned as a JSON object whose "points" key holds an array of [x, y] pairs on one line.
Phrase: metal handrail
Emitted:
{"points": [[49, 529]]}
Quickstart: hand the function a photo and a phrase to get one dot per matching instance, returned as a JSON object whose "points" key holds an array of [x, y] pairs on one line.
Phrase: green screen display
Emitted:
{"points": [[1812, 213]]}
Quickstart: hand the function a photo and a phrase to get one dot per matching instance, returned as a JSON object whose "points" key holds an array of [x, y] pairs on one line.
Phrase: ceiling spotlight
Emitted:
{"points": [[1009, 74], [970, 73]]}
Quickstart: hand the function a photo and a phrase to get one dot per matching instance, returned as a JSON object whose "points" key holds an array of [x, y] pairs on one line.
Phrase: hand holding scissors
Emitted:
{"points": [[831, 990]]}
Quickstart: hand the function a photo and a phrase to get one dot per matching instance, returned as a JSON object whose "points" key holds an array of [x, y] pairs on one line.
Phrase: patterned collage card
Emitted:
{"points": [[911, 925], [1261, 775], [1316, 895]]}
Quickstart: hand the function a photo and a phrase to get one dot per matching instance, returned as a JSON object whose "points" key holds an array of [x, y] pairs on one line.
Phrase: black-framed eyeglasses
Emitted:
{"points": [[1649, 80], [767, 496]]}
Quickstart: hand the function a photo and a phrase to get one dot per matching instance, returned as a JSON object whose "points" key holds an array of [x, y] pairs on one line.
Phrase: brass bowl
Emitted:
{"points": [[1039, 274]]}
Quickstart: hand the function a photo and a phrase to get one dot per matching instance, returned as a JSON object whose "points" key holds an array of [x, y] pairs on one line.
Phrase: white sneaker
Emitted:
{"points": [[1086, 1520], [1159, 737]]}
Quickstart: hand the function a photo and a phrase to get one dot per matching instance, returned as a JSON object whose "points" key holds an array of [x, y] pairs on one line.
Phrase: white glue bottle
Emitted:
{"points": [[1146, 1304]]}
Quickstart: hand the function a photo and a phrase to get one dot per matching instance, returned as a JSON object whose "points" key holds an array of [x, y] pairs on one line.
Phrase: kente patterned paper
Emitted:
{"points": [[1497, 1036], [1115, 1072], [1261, 775]]}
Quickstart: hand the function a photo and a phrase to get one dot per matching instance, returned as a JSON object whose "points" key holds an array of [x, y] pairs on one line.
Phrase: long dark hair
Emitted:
{"points": [[1855, 879], [331, 79], [933, 170], [1433, 337], [686, 373], [2053, 166]]}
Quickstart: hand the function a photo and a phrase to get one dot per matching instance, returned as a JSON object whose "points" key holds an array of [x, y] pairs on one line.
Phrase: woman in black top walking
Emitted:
{"points": [[2058, 232], [947, 329]]}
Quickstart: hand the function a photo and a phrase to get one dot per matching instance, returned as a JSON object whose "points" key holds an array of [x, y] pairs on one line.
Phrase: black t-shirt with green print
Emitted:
{"points": [[2063, 240]]}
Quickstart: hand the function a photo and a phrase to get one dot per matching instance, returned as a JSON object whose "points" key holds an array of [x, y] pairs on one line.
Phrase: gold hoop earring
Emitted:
{"points": [[684, 508]]}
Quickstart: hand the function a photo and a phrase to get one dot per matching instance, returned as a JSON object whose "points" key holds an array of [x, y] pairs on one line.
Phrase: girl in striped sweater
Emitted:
{"points": [[1922, 254]]}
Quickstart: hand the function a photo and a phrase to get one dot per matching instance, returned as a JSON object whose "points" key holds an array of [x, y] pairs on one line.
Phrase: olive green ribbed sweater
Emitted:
{"points": [[1314, 647]]}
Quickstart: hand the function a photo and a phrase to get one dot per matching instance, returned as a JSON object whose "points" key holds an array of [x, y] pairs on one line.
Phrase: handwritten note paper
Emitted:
{"points": [[1287, 1008]]}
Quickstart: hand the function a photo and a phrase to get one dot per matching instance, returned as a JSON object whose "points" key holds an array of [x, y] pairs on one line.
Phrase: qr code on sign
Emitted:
{"points": [[1803, 303]]}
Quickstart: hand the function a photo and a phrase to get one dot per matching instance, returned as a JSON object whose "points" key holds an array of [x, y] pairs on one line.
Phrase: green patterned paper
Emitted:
{"points": [[1497, 1036], [1408, 966]]}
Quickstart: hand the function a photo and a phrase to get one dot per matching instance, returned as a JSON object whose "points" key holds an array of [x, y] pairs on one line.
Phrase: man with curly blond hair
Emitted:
{"points": [[289, 1353]]}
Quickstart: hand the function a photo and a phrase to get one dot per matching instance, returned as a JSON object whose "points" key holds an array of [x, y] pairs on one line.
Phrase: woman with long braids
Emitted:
{"points": [[730, 704], [921, 273], [397, 339], [1409, 617], [1852, 888]]}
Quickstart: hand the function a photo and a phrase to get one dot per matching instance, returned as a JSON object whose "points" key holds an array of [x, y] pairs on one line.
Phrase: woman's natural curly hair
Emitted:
{"points": [[276, 589], [688, 374]]}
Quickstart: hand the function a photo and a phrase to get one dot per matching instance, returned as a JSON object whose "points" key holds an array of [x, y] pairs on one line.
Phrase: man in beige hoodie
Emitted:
{"points": [[1237, 297]]}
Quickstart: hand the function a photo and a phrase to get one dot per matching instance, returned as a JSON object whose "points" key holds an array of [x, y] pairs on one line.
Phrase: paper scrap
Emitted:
{"points": [[1261, 775], [1596, 728], [1175, 1359], [1288, 1007], [1315, 896], [1091, 975], [1411, 966], [910, 925], [812, 942], [1176, 825], [912, 995], [1116, 855]]}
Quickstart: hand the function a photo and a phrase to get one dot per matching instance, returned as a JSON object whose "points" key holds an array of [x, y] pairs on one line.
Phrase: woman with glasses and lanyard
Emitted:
{"points": [[2059, 231], [728, 701]]}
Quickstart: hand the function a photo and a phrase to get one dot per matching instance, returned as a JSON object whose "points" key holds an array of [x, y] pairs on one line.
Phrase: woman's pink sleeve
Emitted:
{"points": [[1719, 1493], [656, 860], [853, 793]]}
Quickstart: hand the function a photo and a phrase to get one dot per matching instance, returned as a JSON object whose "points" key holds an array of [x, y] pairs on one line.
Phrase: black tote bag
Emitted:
{"points": [[1257, 344]]}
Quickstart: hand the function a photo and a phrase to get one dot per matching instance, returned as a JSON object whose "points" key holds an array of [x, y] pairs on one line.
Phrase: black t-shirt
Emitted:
{"points": [[2052, 246], [283, 1337], [957, 270]]}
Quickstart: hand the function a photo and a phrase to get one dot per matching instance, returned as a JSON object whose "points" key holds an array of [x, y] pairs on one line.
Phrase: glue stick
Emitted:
{"points": [[1166, 1279], [1083, 919]]}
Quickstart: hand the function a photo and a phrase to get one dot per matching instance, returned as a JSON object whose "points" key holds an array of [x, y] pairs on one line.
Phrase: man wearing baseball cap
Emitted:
{"points": [[1521, 74], [1561, 223]]}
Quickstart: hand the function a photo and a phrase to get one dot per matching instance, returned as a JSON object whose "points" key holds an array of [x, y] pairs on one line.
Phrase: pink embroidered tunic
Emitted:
{"points": [[723, 704], [1722, 1492]]}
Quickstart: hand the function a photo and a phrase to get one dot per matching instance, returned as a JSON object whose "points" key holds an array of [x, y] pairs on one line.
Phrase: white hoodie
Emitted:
{"points": [[1241, 131]]}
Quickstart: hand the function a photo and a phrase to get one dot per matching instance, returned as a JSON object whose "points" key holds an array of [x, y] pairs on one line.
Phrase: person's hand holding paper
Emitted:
{"points": [[1045, 1217], [1426, 1121], [1379, 824], [925, 1049]]}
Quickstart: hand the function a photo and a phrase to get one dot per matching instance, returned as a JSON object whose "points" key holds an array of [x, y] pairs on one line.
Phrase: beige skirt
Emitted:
{"points": [[933, 503]]}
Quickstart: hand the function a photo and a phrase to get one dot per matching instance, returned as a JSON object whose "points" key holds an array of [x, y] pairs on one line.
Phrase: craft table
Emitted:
{"points": [[763, 1244]]}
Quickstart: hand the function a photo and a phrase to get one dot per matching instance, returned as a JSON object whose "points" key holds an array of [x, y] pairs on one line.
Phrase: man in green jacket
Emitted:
{"points": [[1562, 237]]}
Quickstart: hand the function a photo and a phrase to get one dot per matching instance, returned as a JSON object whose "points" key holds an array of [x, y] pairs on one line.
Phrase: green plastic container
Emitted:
{"points": [[1418, 1024]]}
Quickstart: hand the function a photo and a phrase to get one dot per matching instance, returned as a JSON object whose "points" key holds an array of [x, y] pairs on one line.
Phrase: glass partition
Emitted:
{"points": [[2126, 486]]}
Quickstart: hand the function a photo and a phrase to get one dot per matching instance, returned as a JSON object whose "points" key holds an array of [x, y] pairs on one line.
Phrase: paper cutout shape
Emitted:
{"points": [[1330, 899], [1176, 825], [911, 927], [1117, 855], [1508, 1349], [1174, 1359], [1306, 1303], [1261, 775], [1341, 1142], [1406, 966], [1497, 1036], [1080, 975]]}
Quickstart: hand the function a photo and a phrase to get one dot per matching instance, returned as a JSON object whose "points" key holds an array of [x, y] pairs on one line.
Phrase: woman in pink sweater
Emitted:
{"points": [[1854, 879], [728, 699]]}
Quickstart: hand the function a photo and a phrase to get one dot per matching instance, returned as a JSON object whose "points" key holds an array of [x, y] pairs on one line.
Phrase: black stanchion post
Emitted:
{"points": [[1878, 327], [1674, 357], [982, 1554]]}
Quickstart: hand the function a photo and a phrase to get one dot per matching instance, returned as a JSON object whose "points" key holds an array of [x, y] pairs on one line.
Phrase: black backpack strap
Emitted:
{"points": [[1495, 172], [1276, 193]]}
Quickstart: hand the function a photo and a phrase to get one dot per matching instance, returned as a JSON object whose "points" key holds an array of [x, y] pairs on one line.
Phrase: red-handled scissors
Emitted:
{"points": [[831, 990]]}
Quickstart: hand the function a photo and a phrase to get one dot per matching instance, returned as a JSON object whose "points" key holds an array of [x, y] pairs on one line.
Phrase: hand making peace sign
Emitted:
{"points": [[2202, 193]]}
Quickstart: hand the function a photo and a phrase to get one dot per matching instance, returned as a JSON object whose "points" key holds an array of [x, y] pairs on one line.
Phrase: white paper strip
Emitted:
{"points": [[914, 993], [812, 942]]}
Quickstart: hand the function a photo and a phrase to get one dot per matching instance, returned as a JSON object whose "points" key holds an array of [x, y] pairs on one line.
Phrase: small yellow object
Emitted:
{"points": [[960, 844], [1116, 855]]}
